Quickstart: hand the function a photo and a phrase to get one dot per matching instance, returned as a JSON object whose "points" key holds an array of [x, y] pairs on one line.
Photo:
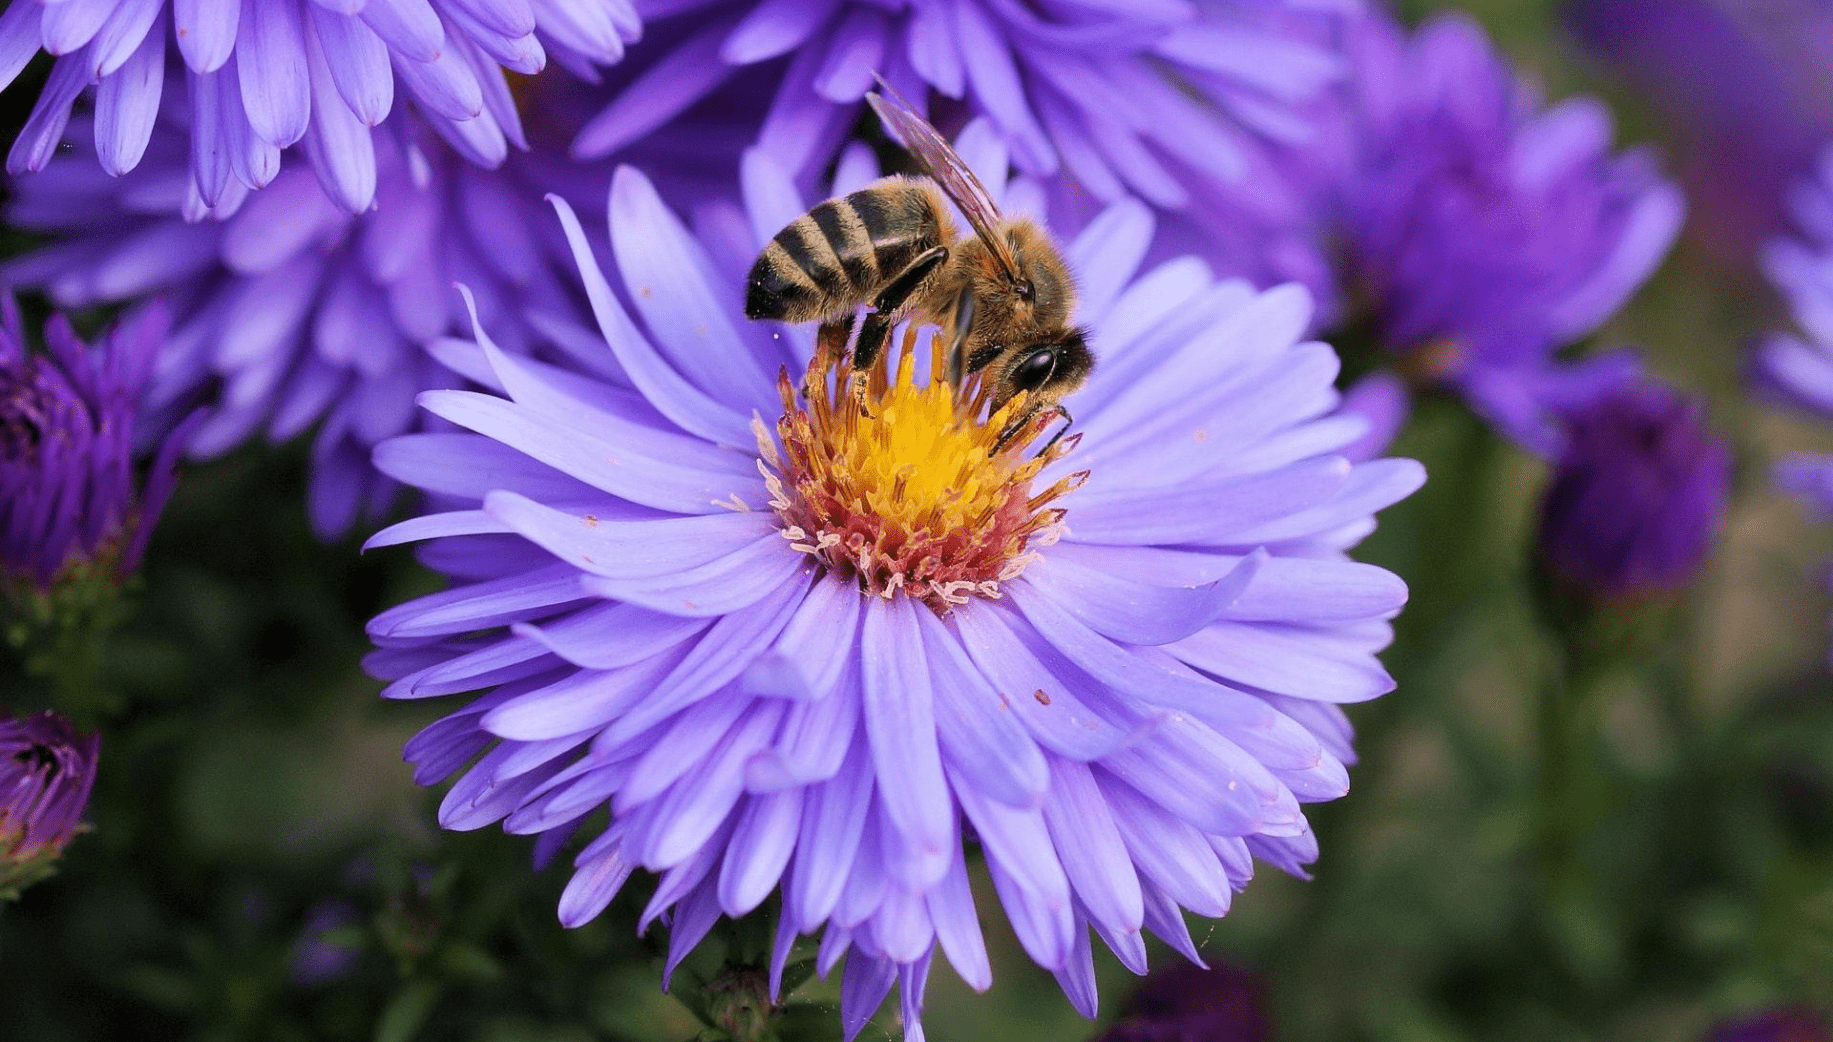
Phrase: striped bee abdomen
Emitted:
{"points": [[838, 255]]}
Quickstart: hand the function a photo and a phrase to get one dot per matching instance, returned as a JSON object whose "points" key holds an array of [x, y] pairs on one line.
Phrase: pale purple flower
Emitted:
{"points": [[257, 76], [1119, 682], [47, 768], [291, 311], [1638, 495], [1177, 103], [72, 494], [1796, 370], [1484, 230]]}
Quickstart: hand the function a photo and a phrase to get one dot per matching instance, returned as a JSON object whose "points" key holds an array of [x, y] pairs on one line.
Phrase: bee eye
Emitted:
{"points": [[1024, 289], [1030, 374]]}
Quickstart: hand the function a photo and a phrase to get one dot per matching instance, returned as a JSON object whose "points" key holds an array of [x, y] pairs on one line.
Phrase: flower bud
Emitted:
{"points": [[1638, 495], [1189, 1003], [46, 771]]}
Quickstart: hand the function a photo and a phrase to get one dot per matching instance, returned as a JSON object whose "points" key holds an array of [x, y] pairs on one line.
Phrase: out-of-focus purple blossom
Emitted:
{"points": [[71, 499], [1483, 230], [46, 771], [291, 311], [1638, 494], [1779, 1025], [1795, 370], [253, 77], [771, 690], [1188, 1003], [1745, 87], [316, 959], [1180, 104]]}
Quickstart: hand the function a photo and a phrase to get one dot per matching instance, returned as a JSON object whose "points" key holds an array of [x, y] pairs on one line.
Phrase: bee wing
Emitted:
{"points": [[939, 159]]}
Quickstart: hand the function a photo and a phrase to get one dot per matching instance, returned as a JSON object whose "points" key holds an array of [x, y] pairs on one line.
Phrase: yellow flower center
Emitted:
{"points": [[907, 486]]}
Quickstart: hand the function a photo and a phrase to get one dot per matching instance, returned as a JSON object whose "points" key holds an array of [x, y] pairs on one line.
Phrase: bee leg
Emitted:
{"points": [[830, 340], [1024, 423], [876, 328], [964, 318]]}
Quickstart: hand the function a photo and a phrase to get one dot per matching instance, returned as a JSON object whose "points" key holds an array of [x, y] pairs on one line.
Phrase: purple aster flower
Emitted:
{"points": [[291, 311], [261, 75], [70, 499], [1796, 371], [1745, 88], [831, 645], [1189, 1003], [1778, 1025], [1638, 494], [1483, 230], [1170, 101], [46, 771]]}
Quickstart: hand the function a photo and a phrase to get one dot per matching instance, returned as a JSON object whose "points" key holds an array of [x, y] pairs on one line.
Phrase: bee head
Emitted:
{"points": [[1047, 370]]}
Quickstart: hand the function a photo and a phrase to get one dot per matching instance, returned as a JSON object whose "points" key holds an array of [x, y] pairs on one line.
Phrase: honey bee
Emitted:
{"points": [[1004, 295]]}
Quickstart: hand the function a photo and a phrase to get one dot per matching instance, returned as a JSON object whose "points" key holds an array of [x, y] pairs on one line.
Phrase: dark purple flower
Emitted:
{"points": [[290, 311], [795, 647], [46, 771], [1189, 1003], [1638, 494], [70, 498], [257, 76], [1484, 230], [1778, 1025], [1747, 90]]}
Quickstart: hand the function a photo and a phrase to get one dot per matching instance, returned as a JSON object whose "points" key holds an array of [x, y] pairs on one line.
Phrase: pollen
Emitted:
{"points": [[911, 486]]}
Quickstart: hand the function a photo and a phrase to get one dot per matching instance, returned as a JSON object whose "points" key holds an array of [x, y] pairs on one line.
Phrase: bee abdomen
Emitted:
{"points": [[839, 254]]}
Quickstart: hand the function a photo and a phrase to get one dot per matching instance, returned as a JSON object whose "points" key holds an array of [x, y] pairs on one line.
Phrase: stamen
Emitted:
{"points": [[905, 486]]}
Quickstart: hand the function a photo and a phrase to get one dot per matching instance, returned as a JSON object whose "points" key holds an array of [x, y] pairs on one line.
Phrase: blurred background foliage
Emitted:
{"points": [[262, 866]]}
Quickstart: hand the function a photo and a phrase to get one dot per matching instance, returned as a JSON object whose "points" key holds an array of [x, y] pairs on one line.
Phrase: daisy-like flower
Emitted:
{"points": [[292, 311], [47, 768], [1483, 230], [260, 75], [72, 501], [1169, 101], [818, 632]]}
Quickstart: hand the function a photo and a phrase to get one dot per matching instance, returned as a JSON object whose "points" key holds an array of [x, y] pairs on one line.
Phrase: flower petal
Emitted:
{"points": [[1135, 612], [901, 728], [272, 72]]}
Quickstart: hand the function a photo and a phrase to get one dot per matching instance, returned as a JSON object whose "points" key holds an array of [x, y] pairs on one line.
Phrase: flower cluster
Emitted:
{"points": [[291, 311], [827, 642], [1485, 231], [260, 75], [1180, 104]]}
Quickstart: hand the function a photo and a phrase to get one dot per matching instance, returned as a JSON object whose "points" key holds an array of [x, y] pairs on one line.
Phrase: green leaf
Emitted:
{"points": [[406, 1013]]}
